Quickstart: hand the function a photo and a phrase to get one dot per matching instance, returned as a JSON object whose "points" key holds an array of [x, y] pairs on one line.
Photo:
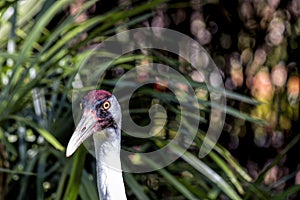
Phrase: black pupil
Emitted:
{"points": [[106, 105], [97, 106]]}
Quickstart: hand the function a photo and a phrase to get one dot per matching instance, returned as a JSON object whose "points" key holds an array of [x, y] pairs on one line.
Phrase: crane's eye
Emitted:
{"points": [[106, 105]]}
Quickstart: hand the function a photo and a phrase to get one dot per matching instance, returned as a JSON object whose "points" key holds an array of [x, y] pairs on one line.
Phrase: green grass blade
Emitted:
{"points": [[228, 172], [206, 171], [88, 188], [171, 179], [34, 35], [47, 135], [135, 187], [281, 155], [41, 174], [17, 172], [62, 181], [76, 173], [228, 157], [25, 180], [286, 194]]}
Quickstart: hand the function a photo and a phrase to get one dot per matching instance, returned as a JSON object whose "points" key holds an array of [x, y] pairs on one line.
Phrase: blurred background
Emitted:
{"points": [[254, 43]]}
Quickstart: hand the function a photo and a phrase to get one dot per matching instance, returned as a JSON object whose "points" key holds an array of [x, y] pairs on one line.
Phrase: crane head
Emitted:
{"points": [[100, 110]]}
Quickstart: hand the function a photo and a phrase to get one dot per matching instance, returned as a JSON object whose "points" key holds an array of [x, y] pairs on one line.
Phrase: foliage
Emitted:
{"points": [[41, 48]]}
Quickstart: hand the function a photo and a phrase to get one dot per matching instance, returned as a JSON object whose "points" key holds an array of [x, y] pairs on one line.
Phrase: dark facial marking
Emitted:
{"points": [[100, 111], [106, 122], [94, 101]]}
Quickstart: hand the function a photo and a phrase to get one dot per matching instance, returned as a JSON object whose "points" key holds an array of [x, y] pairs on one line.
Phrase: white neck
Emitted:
{"points": [[109, 172]]}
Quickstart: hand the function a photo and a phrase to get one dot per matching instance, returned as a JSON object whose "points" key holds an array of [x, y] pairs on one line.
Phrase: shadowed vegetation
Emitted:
{"points": [[255, 44]]}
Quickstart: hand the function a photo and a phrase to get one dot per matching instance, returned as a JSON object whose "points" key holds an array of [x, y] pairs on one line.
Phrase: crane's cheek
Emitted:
{"points": [[104, 123], [100, 125]]}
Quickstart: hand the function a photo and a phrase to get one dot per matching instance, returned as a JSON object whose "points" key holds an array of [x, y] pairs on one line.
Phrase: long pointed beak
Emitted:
{"points": [[84, 129]]}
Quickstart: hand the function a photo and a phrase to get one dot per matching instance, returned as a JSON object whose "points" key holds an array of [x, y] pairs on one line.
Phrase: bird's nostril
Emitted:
{"points": [[83, 129]]}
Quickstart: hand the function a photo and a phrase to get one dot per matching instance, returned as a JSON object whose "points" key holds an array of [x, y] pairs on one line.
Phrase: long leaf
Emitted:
{"points": [[47, 135], [171, 179], [62, 181], [88, 188], [135, 187], [206, 171], [76, 173]]}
